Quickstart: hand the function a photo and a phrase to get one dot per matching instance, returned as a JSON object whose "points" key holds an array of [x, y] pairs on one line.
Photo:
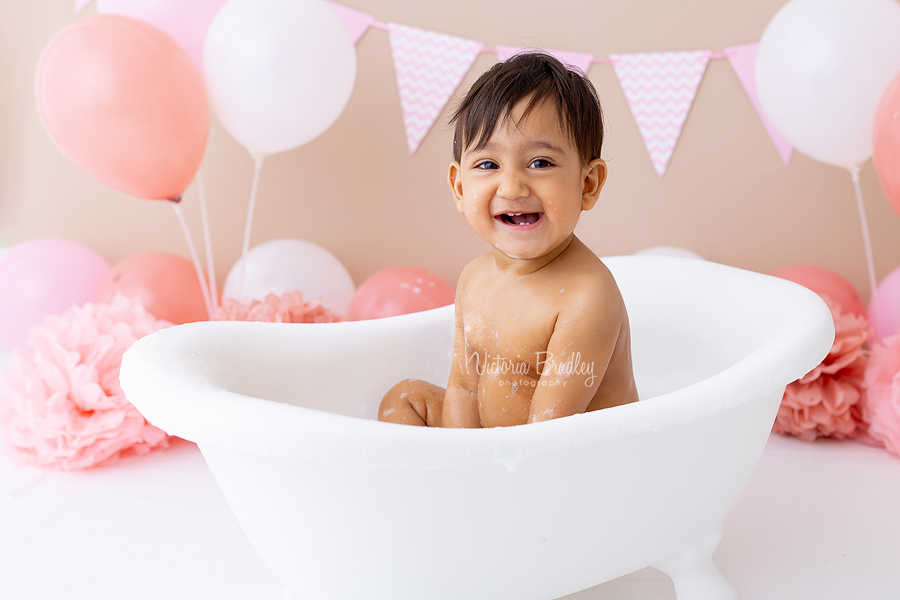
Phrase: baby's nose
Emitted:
{"points": [[512, 185]]}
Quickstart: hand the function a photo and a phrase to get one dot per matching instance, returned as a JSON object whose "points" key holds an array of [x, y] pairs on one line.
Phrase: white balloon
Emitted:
{"points": [[288, 265], [278, 72], [821, 69], [668, 251]]}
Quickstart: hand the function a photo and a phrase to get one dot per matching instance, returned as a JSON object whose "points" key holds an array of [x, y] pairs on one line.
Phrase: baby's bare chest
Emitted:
{"points": [[516, 331]]}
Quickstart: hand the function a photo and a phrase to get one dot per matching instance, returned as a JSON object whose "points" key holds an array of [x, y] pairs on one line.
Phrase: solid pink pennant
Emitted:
{"points": [[579, 60], [429, 66], [357, 22], [743, 61], [660, 88]]}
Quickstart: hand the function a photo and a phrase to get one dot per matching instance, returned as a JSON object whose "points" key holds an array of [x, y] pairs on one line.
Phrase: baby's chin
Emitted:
{"points": [[528, 251], [522, 254]]}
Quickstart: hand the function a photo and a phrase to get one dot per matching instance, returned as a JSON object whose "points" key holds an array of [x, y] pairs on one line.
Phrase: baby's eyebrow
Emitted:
{"points": [[543, 144], [530, 146]]}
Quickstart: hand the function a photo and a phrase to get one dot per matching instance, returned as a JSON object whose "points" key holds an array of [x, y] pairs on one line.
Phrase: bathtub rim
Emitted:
{"points": [[299, 432]]}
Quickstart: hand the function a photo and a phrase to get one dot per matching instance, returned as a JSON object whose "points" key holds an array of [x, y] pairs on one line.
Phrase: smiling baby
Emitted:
{"points": [[541, 328]]}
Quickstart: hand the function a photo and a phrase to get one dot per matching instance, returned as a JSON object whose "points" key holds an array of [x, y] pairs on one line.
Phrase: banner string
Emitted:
{"points": [[595, 60]]}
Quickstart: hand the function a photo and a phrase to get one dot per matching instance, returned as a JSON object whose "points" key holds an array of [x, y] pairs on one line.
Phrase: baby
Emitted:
{"points": [[541, 329]]}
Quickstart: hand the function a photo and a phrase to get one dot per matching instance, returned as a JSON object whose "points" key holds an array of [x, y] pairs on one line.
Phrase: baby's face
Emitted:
{"points": [[524, 191]]}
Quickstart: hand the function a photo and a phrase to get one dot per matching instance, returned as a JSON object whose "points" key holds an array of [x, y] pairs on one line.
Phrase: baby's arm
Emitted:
{"points": [[578, 354], [461, 398]]}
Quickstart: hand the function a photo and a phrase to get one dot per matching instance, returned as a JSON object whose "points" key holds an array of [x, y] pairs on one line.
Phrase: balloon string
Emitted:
{"points": [[193, 250], [870, 261], [207, 240], [257, 166]]}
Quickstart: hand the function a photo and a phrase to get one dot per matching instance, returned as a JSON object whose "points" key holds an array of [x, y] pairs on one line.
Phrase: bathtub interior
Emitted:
{"points": [[690, 321], [341, 368]]}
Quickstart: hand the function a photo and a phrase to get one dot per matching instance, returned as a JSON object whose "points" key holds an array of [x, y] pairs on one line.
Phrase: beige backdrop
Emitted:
{"points": [[357, 192]]}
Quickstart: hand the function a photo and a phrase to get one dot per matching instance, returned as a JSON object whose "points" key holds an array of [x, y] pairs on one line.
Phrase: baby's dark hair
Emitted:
{"points": [[493, 96]]}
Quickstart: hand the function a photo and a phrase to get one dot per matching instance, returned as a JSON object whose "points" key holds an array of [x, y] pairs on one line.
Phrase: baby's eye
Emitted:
{"points": [[540, 163], [486, 164]]}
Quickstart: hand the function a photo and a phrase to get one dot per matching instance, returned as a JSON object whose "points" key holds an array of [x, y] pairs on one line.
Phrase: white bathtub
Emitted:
{"points": [[341, 506]]}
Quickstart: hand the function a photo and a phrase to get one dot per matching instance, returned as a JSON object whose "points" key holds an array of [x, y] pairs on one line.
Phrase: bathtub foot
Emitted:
{"points": [[694, 574]]}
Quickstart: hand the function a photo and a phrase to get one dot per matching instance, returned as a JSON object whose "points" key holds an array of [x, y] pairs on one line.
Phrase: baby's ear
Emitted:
{"points": [[455, 181], [594, 178]]}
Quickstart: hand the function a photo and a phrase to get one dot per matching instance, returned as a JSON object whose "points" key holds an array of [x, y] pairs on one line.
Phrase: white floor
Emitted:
{"points": [[817, 522]]}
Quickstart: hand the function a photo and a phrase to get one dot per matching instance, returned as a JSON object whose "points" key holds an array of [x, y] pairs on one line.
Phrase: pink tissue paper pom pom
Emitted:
{"points": [[288, 308], [823, 403], [881, 406], [61, 405]]}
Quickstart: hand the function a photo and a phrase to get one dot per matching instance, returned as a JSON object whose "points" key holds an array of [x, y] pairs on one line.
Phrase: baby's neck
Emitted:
{"points": [[520, 267]]}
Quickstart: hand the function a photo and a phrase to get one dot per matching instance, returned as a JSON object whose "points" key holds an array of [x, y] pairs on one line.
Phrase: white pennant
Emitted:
{"points": [[429, 67], [660, 88]]}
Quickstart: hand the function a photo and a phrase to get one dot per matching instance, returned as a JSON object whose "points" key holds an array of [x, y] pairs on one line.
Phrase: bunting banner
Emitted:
{"points": [[580, 60], [357, 22], [743, 61], [660, 88], [429, 66]]}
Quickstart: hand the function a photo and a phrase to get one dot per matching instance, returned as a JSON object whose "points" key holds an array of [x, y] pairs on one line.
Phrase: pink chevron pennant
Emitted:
{"points": [[357, 22], [660, 88], [580, 60], [743, 60], [429, 66]]}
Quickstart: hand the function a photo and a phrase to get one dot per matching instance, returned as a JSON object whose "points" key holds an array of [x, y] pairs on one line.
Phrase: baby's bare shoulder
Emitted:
{"points": [[474, 270], [591, 288]]}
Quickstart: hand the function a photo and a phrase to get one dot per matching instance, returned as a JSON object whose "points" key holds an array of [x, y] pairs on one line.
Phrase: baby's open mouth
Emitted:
{"points": [[519, 218]]}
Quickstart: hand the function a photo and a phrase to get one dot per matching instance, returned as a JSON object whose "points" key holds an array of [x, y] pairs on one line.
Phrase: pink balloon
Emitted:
{"points": [[166, 284], [398, 291], [125, 103], [826, 283], [186, 22], [44, 277], [886, 143], [887, 298]]}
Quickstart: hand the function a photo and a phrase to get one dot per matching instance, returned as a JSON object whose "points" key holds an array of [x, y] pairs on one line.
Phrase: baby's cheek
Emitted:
{"points": [[479, 226]]}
